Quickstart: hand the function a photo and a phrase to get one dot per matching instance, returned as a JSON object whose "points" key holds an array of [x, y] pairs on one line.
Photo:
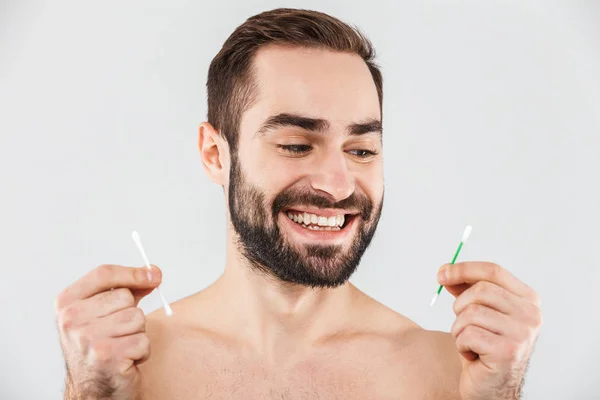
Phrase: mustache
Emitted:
{"points": [[290, 198]]}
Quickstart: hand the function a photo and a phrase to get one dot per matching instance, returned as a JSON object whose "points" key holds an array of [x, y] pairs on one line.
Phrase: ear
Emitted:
{"points": [[214, 152]]}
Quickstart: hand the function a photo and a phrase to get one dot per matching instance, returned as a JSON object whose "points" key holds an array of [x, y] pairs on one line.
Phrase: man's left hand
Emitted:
{"points": [[498, 320]]}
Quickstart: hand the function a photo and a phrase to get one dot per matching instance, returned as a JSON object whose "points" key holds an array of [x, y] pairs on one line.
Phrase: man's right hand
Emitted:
{"points": [[102, 331]]}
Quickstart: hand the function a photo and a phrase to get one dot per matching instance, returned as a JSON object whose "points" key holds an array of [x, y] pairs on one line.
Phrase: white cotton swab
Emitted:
{"points": [[465, 236], [138, 242]]}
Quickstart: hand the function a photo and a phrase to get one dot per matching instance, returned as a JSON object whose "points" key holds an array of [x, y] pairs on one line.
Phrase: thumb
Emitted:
{"points": [[456, 290], [139, 294]]}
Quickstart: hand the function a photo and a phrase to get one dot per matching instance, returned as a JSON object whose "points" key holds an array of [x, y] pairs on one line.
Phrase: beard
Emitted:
{"points": [[267, 251]]}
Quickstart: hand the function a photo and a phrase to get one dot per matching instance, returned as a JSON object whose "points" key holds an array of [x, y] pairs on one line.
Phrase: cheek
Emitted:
{"points": [[271, 173], [370, 180], [273, 170]]}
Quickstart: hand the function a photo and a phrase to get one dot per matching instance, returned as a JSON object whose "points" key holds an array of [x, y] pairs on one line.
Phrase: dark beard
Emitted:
{"points": [[261, 242]]}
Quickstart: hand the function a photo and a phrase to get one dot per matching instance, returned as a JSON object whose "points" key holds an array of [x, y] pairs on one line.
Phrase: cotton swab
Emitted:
{"points": [[138, 242], [465, 236]]}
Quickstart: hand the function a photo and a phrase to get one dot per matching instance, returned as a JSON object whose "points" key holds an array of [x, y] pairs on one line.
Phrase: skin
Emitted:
{"points": [[251, 336]]}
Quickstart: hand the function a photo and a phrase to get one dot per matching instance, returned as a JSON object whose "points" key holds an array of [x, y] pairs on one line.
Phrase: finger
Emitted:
{"points": [[139, 294], [134, 347], [81, 312], [490, 348], [122, 323], [487, 294], [107, 277], [457, 290], [483, 317], [106, 303], [124, 352], [476, 342], [473, 272]]}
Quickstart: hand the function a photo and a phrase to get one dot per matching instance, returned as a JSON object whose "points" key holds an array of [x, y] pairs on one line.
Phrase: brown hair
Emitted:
{"points": [[230, 86]]}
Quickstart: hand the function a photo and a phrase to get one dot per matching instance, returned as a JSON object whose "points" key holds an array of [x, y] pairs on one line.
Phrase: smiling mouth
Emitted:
{"points": [[319, 222]]}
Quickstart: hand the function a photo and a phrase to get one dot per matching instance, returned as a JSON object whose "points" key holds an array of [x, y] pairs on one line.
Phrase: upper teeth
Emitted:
{"points": [[307, 219]]}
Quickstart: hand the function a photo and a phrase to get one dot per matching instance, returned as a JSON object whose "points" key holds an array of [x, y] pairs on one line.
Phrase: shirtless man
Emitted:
{"points": [[294, 136]]}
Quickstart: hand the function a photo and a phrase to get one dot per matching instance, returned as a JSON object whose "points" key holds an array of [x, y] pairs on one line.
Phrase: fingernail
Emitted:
{"points": [[149, 275], [443, 274]]}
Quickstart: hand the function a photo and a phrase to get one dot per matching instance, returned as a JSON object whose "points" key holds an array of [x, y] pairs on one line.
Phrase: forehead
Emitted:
{"points": [[313, 82]]}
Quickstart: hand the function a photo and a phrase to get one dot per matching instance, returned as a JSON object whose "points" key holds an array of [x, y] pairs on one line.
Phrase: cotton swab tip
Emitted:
{"points": [[434, 300], [138, 241], [136, 238], [466, 234], [166, 305]]}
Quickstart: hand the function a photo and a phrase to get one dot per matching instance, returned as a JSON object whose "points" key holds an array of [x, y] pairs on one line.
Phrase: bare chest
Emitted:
{"points": [[329, 376]]}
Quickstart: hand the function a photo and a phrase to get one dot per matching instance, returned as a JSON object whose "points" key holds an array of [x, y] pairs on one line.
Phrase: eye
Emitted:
{"points": [[295, 148], [363, 153]]}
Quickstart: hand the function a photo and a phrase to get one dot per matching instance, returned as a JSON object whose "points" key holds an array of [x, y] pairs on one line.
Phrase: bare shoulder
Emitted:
{"points": [[438, 361], [172, 342], [172, 335], [160, 329], [429, 357]]}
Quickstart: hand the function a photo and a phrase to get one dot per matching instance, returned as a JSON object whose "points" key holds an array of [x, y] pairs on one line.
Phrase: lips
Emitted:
{"points": [[332, 236]]}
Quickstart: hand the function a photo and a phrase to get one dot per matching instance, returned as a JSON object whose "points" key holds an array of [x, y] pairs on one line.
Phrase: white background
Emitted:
{"points": [[491, 118]]}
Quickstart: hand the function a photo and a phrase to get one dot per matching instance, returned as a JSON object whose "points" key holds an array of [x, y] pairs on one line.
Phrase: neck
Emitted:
{"points": [[276, 316]]}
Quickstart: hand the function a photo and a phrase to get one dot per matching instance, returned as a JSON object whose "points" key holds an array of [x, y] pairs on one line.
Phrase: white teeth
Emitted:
{"points": [[322, 228], [333, 223]]}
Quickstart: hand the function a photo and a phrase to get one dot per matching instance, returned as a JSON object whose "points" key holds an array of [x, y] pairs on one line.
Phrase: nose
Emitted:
{"points": [[332, 177]]}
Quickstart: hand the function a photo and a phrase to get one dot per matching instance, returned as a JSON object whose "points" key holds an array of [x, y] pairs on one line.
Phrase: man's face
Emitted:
{"points": [[306, 185]]}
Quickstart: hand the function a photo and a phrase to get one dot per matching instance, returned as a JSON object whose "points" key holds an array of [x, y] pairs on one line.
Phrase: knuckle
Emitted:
{"points": [[456, 306], [534, 297], [140, 342], [481, 288], [540, 319], [60, 301], [134, 319], [67, 317], [495, 270], [474, 309], [139, 317], [134, 316], [125, 296], [144, 342], [129, 314], [104, 272], [470, 332], [456, 271], [535, 315]]}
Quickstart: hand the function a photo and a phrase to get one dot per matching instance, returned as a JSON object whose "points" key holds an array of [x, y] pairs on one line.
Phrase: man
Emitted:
{"points": [[294, 137]]}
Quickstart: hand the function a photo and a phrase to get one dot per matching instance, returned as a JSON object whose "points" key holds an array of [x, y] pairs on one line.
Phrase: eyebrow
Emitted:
{"points": [[283, 120]]}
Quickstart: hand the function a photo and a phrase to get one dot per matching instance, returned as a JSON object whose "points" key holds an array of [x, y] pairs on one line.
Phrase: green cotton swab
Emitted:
{"points": [[465, 236]]}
